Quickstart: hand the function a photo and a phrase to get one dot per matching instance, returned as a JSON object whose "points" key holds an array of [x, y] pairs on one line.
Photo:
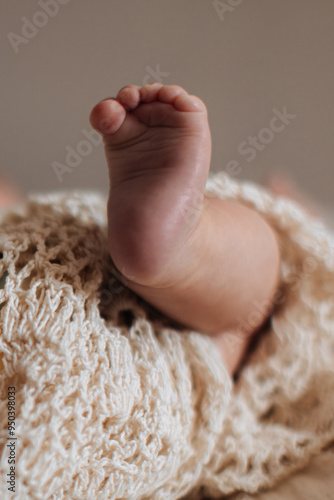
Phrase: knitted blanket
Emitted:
{"points": [[112, 400]]}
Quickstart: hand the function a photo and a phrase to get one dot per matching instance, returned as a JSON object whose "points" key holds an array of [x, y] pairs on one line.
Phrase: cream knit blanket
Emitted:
{"points": [[114, 402]]}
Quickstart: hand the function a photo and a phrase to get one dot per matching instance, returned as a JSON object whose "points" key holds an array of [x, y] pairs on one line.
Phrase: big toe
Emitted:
{"points": [[107, 116]]}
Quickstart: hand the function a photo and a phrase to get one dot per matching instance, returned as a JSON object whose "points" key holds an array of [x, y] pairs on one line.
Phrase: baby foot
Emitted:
{"points": [[204, 271], [158, 147]]}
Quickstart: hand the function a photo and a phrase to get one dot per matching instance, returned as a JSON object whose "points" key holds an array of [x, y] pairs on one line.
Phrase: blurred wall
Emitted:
{"points": [[249, 60]]}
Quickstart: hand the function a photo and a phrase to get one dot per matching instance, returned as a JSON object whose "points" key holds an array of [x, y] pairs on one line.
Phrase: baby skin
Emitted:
{"points": [[205, 271]]}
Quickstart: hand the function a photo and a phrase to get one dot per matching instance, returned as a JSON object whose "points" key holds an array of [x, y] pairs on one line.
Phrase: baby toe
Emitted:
{"points": [[186, 102], [129, 96], [149, 93], [107, 116], [169, 93]]}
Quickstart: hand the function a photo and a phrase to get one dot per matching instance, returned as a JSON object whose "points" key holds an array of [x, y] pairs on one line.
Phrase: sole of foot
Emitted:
{"points": [[158, 148]]}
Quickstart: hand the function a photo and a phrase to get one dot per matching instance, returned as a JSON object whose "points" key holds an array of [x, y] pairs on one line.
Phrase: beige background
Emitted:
{"points": [[256, 56]]}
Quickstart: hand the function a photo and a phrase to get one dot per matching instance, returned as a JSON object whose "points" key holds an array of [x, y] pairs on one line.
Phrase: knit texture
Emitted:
{"points": [[114, 401]]}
